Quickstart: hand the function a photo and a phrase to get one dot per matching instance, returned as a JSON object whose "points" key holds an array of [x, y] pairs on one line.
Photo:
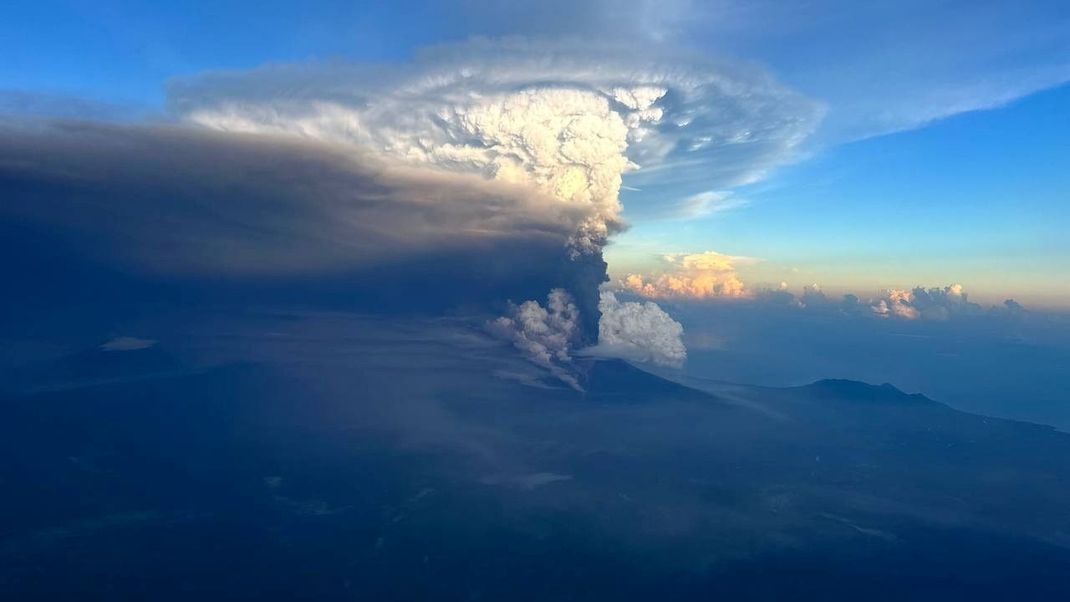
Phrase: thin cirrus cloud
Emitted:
{"points": [[889, 67], [706, 203], [881, 67]]}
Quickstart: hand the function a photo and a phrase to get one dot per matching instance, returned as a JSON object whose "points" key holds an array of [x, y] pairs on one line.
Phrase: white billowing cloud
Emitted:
{"points": [[639, 331], [544, 334], [693, 276], [932, 304], [896, 303], [569, 118]]}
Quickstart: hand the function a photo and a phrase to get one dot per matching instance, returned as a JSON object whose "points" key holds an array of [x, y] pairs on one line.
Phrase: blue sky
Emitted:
{"points": [[942, 156], [979, 198], [124, 51]]}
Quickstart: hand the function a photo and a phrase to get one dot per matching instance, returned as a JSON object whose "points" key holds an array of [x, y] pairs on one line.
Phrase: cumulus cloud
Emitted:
{"points": [[568, 118], [693, 276], [919, 303], [639, 331], [928, 303], [813, 295], [778, 296], [895, 303], [545, 335], [1013, 307]]}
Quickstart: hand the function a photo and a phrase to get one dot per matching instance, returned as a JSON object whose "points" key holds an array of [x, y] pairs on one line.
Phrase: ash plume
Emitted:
{"points": [[569, 118]]}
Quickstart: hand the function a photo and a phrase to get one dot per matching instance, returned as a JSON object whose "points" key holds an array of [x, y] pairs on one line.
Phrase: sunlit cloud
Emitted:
{"points": [[691, 276], [938, 303], [918, 303]]}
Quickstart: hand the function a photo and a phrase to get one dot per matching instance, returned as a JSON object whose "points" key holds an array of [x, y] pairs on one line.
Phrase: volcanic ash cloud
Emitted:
{"points": [[567, 119], [570, 119]]}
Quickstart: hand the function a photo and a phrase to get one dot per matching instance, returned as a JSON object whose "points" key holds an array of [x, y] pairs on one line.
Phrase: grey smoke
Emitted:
{"points": [[545, 334]]}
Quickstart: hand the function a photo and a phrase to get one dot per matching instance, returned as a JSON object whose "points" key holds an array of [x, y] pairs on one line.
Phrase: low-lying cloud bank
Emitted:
{"points": [[919, 303], [711, 275]]}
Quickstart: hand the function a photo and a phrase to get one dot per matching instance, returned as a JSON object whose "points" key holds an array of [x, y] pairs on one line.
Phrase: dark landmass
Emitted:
{"points": [[326, 456]]}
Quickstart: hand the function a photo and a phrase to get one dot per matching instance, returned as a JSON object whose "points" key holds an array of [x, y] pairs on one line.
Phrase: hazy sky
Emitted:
{"points": [[935, 151]]}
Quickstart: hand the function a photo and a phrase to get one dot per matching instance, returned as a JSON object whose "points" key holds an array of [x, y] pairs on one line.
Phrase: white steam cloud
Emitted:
{"points": [[639, 331], [569, 118]]}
